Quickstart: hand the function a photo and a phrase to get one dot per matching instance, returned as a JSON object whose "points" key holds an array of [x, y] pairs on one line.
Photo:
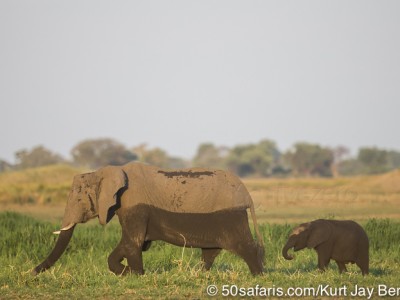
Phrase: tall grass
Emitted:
{"points": [[171, 272]]}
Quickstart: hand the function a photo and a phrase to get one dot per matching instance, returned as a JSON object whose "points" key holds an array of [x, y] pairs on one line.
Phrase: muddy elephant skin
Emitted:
{"points": [[202, 208]]}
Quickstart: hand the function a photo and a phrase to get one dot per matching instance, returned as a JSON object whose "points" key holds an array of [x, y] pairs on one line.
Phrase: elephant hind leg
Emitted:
{"points": [[342, 267], [250, 253], [208, 256], [363, 264]]}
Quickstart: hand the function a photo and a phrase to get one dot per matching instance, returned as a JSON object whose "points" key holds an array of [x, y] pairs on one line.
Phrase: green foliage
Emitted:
{"points": [[101, 152], [253, 159], [171, 272], [373, 160], [310, 160], [370, 160], [158, 157], [4, 166], [209, 156], [262, 159], [37, 157], [350, 167], [393, 159]]}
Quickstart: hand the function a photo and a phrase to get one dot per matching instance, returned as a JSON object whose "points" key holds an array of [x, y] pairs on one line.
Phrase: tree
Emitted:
{"points": [[350, 167], [209, 156], [96, 153], [339, 153], [310, 160], [5, 166], [158, 157], [37, 157], [374, 160], [253, 159], [370, 160], [393, 158]]}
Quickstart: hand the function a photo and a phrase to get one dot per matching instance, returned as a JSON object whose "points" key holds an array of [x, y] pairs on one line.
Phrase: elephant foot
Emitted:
{"points": [[208, 256], [258, 272], [122, 270], [128, 271]]}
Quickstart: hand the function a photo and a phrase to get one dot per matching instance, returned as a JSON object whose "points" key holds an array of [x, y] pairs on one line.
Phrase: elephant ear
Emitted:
{"points": [[320, 232], [112, 181]]}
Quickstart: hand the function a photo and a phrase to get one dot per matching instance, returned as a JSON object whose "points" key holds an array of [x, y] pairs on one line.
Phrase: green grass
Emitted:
{"points": [[171, 272]]}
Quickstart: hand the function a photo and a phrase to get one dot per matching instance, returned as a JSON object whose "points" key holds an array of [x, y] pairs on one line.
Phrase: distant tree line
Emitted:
{"points": [[262, 159]]}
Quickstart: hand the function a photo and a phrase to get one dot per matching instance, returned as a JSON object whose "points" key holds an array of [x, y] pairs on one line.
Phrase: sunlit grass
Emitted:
{"points": [[302, 199], [171, 272], [44, 185]]}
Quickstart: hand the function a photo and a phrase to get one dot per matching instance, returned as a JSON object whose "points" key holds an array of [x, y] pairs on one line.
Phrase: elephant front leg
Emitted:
{"points": [[115, 259], [133, 254], [134, 243], [323, 262], [135, 260], [134, 226]]}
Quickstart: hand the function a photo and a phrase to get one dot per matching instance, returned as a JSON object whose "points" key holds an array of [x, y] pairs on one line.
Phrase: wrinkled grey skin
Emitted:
{"points": [[120, 190], [343, 241]]}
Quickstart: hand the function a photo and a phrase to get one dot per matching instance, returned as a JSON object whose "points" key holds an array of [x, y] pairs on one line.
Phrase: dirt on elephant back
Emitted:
{"points": [[196, 190]]}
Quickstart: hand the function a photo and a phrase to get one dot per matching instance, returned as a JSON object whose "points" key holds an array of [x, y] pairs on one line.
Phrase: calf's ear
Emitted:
{"points": [[320, 232]]}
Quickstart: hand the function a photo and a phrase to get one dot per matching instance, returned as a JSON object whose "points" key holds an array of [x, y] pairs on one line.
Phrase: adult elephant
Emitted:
{"points": [[196, 207]]}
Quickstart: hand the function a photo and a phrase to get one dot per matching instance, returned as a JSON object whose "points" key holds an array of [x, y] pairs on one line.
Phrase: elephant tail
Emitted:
{"points": [[256, 229]]}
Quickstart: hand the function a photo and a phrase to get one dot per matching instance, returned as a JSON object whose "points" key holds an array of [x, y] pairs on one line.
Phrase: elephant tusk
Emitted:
{"points": [[64, 228]]}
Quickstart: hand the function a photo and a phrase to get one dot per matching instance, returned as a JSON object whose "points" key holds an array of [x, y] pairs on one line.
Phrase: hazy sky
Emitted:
{"points": [[174, 74]]}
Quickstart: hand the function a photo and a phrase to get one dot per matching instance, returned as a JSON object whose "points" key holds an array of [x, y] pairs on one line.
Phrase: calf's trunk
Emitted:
{"points": [[59, 248], [289, 245]]}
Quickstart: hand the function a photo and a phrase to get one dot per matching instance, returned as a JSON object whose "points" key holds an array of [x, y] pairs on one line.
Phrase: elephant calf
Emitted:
{"points": [[343, 241]]}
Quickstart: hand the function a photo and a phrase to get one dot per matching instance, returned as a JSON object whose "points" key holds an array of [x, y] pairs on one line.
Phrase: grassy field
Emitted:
{"points": [[38, 196], [299, 199], [172, 272]]}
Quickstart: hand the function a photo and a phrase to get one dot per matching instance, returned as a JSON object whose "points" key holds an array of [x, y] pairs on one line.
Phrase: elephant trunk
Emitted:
{"points": [[59, 248], [289, 245]]}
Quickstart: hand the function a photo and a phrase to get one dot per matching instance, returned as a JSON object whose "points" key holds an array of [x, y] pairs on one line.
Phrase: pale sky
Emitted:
{"points": [[175, 74]]}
